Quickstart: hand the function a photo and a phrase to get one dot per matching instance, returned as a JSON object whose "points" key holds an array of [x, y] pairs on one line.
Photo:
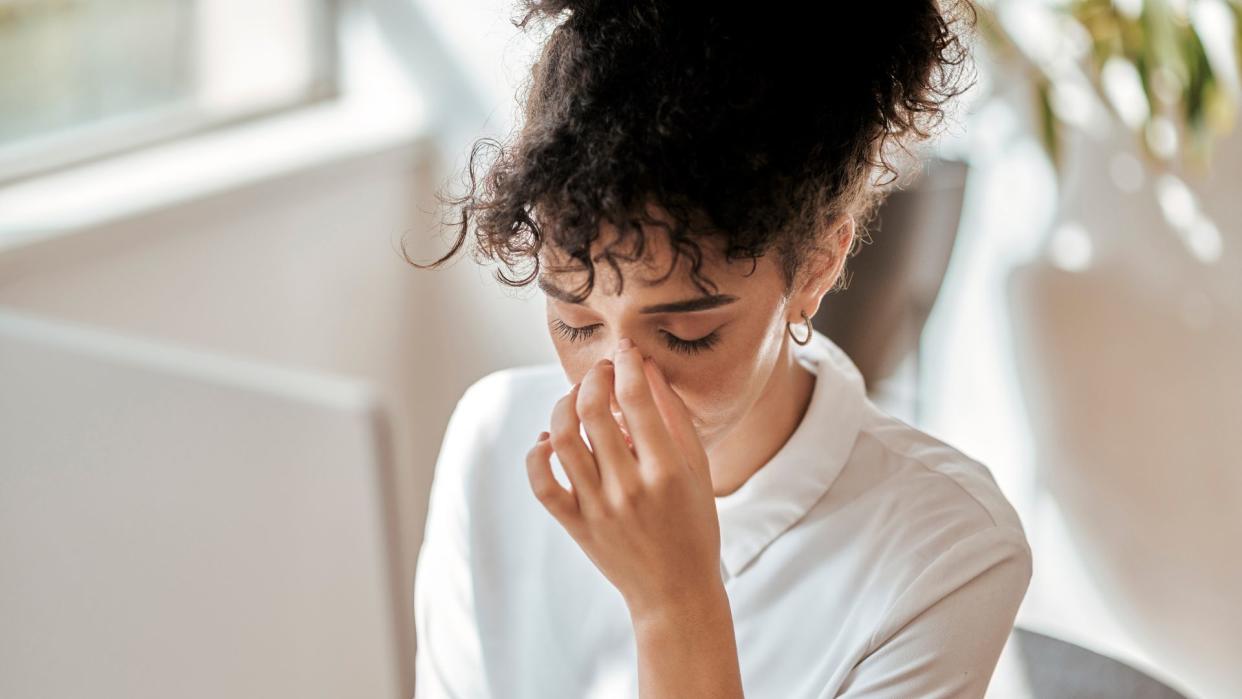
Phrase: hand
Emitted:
{"points": [[646, 514]]}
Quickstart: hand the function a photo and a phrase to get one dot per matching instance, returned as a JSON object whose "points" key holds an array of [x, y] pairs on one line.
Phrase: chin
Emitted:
{"points": [[709, 437]]}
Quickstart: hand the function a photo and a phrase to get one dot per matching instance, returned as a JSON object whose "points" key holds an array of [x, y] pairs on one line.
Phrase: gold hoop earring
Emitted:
{"points": [[810, 330]]}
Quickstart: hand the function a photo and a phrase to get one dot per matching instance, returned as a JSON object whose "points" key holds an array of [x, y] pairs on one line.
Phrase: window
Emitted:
{"points": [[84, 79]]}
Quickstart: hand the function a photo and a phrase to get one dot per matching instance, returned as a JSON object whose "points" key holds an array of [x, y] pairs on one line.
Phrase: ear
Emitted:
{"points": [[827, 270]]}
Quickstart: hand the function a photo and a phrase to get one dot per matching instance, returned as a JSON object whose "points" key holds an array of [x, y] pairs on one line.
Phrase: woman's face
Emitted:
{"points": [[717, 351]]}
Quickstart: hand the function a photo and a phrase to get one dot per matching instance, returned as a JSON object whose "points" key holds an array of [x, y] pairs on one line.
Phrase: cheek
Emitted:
{"points": [[720, 394], [575, 359]]}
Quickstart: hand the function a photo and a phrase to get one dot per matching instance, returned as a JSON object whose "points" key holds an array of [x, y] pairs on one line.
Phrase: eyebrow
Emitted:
{"points": [[702, 303]]}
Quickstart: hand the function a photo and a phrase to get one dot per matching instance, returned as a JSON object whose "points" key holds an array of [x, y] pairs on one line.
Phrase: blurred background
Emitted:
{"points": [[1058, 295]]}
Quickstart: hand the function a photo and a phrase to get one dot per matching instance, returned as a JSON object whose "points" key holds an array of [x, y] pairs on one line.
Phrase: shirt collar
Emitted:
{"points": [[784, 489]]}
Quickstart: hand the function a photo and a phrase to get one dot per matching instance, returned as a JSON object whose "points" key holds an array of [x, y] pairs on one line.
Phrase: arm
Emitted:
{"points": [[448, 655], [943, 635], [642, 510], [689, 650]]}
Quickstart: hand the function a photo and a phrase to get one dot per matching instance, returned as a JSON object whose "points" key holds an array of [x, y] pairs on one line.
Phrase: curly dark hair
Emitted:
{"points": [[754, 126]]}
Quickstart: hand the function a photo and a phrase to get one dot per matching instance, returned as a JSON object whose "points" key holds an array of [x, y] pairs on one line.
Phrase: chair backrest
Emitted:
{"points": [[894, 281], [1056, 669]]}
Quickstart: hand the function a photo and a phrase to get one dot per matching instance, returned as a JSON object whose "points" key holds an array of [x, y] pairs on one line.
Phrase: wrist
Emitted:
{"points": [[699, 604]]}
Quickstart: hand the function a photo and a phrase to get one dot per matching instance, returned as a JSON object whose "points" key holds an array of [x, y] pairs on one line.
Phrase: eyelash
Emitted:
{"points": [[674, 343]]}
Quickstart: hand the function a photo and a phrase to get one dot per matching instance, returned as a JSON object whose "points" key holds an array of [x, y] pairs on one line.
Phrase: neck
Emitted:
{"points": [[765, 429]]}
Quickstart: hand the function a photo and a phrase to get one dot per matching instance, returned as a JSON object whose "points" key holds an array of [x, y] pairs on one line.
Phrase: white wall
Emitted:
{"points": [[284, 245], [303, 270], [1086, 350]]}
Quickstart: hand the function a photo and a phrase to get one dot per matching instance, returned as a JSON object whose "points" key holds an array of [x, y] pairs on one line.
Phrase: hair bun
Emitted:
{"points": [[578, 8], [582, 13]]}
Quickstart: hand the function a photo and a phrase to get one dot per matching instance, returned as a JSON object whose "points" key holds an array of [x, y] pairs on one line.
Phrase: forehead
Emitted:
{"points": [[644, 275]]}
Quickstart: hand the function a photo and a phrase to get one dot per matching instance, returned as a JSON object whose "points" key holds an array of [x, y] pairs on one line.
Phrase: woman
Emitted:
{"points": [[713, 506]]}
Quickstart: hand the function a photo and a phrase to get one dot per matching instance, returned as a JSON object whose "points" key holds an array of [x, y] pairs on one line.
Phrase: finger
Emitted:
{"points": [[579, 463], [652, 440], [557, 500], [677, 418], [618, 467]]}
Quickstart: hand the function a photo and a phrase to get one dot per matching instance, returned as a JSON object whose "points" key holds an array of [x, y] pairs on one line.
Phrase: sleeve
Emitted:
{"points": [[943, 635], [448, 660]]}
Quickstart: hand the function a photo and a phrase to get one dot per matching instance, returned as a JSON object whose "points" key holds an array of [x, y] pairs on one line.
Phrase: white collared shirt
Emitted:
{"points": [[865, 559]]}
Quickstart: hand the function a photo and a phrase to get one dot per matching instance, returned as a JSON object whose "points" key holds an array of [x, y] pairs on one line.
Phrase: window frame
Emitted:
{"points": [[127, 134]]}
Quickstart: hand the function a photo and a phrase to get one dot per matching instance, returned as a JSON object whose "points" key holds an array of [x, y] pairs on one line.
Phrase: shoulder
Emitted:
{"points": [[502, 393], [498, 412], [937, 518], [932, 480], [511, 382]]}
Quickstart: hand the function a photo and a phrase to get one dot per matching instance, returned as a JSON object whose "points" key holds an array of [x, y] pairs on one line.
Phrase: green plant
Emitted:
{"points": [[1158, 66]]}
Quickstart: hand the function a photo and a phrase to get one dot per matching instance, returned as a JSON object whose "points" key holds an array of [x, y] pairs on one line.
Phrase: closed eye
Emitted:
{"points": [[674, 343]]}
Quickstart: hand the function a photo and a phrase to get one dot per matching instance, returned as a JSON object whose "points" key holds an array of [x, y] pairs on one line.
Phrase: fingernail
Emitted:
{"points": [[605, 362], [624, 344], [542, 436]]}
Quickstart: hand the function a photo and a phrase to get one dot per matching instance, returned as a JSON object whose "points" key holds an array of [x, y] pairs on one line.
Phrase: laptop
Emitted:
{"points": [[178, 523]]}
